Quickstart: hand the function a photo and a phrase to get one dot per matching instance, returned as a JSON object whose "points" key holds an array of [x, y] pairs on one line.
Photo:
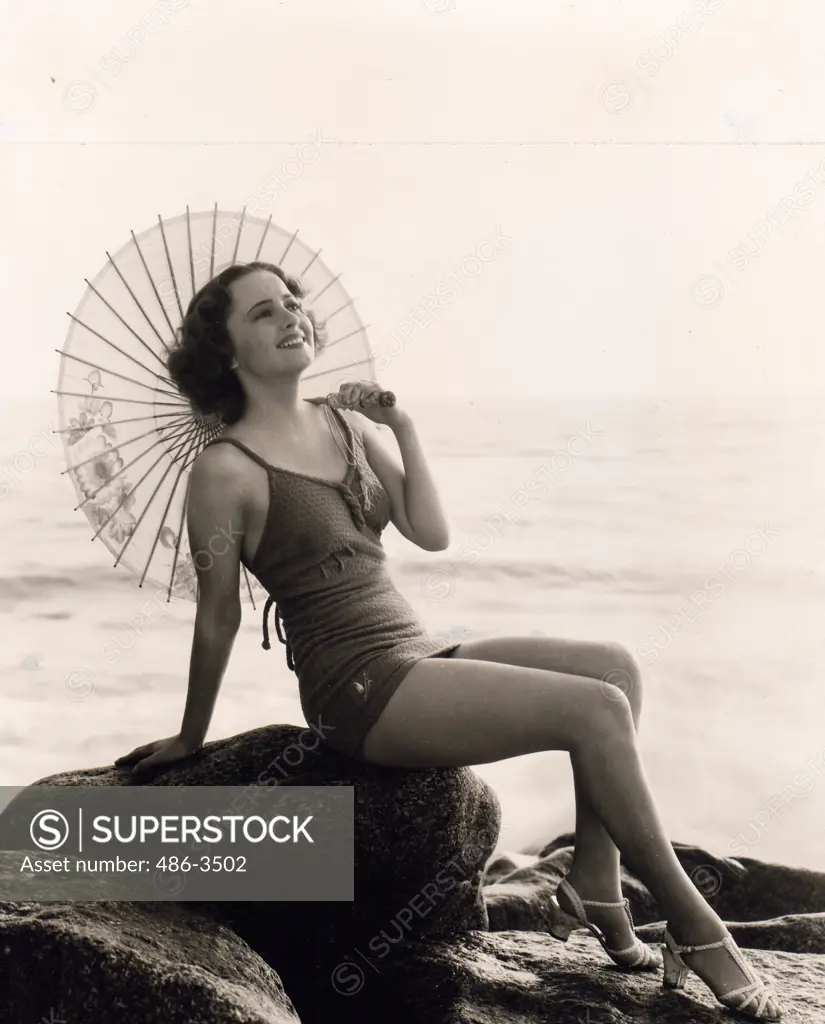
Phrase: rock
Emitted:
{"points": [[504, 864], [430, 831], [153, 963], [422, 839], [785, 904], [792, 933], [527, 977]]}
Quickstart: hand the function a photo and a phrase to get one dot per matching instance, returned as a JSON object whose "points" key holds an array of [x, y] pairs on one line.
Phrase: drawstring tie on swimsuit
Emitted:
{"points": [[354, 507], [278, 629]]}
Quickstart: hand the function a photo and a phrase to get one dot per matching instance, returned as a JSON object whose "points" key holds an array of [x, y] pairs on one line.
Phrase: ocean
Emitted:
{"points": [[690, 530]]}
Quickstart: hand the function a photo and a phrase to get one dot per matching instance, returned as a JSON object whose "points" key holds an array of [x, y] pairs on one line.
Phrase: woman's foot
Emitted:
{"points": [[723, 968], [607, 916], [612, 922]]}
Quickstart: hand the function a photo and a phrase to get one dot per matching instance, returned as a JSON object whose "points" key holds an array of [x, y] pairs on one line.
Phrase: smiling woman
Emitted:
{"points": [[314, 490], [202, 363]]}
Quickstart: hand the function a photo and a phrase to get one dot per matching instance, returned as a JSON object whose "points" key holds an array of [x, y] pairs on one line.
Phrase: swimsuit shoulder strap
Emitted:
{"points": [[239, 444]]}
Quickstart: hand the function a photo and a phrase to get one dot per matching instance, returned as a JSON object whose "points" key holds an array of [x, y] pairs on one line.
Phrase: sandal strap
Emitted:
{"points": [[757, 989], [598, 903], [697, 949], [642, 951]]}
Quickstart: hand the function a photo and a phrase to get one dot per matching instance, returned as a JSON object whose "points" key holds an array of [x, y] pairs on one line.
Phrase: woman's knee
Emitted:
{"points": [[624, 674], [608, 718]]}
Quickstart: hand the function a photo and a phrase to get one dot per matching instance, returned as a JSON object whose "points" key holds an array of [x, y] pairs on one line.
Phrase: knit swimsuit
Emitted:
{"points": [[350, 636]]}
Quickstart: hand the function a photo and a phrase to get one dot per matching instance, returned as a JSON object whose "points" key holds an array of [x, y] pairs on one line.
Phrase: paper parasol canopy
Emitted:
{"points": [[129, 436]]}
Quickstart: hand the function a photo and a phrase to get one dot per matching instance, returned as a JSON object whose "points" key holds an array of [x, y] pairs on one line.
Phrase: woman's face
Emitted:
{"points": [[269, 329]]}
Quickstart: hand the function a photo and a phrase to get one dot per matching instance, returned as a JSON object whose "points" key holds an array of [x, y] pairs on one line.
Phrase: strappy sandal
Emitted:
{"points": [[751, 999], [638, 957]]}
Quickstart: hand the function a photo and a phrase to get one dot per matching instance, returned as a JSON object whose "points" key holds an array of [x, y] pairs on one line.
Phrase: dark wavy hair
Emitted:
{"points": [[200, 362]]}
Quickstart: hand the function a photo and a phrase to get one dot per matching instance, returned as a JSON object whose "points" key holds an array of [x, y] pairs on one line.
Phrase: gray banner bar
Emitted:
{"points": [[199, 843]]}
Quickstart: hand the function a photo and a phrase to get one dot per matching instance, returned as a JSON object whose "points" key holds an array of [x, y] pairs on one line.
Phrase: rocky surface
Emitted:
{"points": [[389, 957], [769, 906], [528, 978], [157, 963]]}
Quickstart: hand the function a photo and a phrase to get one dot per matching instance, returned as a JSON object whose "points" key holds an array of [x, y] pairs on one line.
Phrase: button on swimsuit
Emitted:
{"points": [[350, 636]]}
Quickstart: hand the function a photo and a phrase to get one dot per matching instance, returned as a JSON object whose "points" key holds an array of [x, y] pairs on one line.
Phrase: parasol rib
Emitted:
{"points": [[155, 493], [114, 373], [238, 239], [146, 316], [132, 419], [155, 290], [127, 326], [117, 348], [331, 315], [106, 522], [344, 337], [181, 470], [191, 254], [314, 258], [327, 285], [263, 236], [122, 444], [288, 247], [171, 268], [113, 398], [212, 253]]}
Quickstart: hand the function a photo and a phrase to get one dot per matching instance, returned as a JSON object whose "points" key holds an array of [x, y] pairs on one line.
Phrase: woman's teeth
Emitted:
{"points": [[292, 343]]}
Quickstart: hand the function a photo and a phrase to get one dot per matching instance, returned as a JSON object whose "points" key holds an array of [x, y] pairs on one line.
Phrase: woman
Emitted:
{"points": [[303, 491]]}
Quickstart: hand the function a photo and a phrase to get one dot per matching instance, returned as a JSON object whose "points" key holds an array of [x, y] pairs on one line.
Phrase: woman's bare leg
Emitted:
{"points": [[462, 712], [595, 872]]}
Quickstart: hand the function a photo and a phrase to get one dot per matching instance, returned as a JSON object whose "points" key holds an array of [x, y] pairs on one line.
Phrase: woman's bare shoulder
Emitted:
{"points": [[222, 463]]}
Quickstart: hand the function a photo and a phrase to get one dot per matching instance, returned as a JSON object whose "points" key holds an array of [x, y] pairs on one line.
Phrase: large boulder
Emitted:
{"points": [[153, 963], [411, 827], [421, 840]]}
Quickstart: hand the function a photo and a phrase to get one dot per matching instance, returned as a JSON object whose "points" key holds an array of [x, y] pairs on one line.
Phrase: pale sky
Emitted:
{"points": [[619, 155]]}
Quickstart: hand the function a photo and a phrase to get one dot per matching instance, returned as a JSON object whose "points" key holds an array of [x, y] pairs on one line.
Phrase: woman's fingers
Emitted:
{"points": [[355, 394], [146, 762], [139, 752], [133, 755]]}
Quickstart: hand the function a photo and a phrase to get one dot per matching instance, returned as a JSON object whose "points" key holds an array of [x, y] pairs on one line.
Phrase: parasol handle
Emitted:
{"points": [[386, 399]]}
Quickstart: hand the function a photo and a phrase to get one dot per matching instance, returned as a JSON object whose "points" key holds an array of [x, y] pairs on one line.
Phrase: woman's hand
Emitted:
{"points": [[362, 396], [161, 752]]}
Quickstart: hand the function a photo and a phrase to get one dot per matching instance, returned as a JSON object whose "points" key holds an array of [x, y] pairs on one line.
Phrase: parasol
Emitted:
{"points": [[129, 436]]}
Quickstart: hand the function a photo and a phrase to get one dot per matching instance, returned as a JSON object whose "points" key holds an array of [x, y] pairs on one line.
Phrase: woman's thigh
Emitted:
{"points": [[607, 661], [452, 712]]}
